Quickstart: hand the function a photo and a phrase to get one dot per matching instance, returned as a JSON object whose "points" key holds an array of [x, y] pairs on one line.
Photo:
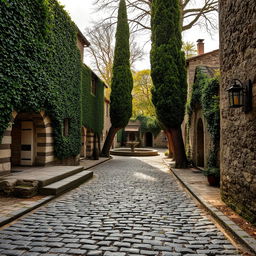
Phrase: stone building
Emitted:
{"points": [[209, 59], [133, 132], [238, 128], [30, 138], [194, 128]]}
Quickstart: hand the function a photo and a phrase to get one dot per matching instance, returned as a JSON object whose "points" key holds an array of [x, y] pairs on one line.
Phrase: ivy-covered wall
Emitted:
{"points": [[204, 103], [92, 105], [40, 69]]}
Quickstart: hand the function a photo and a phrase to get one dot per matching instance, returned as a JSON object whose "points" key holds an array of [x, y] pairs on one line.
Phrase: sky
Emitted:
{"points": [[83, 13]]}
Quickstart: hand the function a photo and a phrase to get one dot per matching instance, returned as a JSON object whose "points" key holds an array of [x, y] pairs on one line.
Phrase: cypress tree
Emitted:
{"points": [[169, 73], [122, 82]]}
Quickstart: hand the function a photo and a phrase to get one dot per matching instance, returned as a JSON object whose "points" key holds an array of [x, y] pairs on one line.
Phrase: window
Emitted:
{"points": [[93, 85], [66, 127]]}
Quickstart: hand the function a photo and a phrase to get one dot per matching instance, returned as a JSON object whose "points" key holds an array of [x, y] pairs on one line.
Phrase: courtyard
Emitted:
{"points": [[132, 206]]}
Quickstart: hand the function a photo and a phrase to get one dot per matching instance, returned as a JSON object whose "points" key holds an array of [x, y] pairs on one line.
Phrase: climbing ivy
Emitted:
{"points": [[149, 124], [205, 93], [92, 105], [40, 67]]}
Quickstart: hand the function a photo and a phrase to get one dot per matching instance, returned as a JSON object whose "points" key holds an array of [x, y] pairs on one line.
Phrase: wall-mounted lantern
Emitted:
{"points": [[240, 95]]}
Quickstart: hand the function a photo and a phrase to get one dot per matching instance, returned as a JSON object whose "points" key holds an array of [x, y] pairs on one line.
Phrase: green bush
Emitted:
{"points": [[212, 172], [149, 124]]}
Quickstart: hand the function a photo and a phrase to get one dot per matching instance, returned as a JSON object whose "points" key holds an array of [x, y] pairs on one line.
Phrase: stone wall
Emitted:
{"points": [[199, 141], [210, 59], [238, 133], [160, 141]]}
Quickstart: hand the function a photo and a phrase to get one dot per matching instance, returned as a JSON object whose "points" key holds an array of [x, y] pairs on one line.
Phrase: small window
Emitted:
{"points": [[93, 86], [66, 127]]}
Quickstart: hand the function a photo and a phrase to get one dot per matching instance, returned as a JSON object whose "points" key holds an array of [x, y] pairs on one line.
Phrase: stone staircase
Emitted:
{"points": [[63, 185], [52, 180]]}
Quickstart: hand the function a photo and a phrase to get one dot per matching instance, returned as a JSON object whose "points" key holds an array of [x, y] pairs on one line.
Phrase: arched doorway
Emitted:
{"points": [[148, 139], [31, 140], [200, 143]]}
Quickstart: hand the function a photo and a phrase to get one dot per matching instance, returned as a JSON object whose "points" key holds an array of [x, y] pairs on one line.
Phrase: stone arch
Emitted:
{"points": [[200, 143], [148, 139], [27, 132]]}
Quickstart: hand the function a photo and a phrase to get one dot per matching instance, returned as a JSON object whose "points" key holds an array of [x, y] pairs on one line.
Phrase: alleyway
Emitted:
{"points": [[131, 207]]}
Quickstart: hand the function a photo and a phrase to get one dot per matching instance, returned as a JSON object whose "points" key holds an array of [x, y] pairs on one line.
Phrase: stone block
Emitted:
{"points": [[7, 186], [26, 188]]}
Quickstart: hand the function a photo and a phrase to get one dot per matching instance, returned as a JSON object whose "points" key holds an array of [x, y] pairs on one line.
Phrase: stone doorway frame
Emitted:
{"points": [[44, 142]]}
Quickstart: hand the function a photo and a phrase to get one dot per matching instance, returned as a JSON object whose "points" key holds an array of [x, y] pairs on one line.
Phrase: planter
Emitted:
{"points": [[213, 180]]}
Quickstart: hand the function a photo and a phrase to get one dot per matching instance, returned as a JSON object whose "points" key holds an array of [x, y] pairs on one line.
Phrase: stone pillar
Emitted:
{"points": [[89, 143]]}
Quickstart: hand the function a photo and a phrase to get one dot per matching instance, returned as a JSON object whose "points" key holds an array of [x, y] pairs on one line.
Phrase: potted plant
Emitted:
{"points": [[213, 176]]}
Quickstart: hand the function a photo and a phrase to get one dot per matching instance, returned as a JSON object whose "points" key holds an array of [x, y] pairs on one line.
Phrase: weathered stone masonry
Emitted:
{"points": [[198, 141], [238, 133]]}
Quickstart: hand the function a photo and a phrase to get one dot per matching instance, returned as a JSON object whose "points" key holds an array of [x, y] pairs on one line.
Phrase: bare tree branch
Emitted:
{"points": [[101, 50], [140, 11]]}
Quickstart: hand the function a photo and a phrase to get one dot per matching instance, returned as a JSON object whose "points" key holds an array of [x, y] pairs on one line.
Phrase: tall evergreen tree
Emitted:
{"points": [[122, 82], [169, 73]]}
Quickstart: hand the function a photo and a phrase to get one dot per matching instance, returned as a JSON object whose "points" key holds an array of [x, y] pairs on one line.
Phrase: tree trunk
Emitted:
{"points": [[170, 144], [179, 149], [108, 142]]}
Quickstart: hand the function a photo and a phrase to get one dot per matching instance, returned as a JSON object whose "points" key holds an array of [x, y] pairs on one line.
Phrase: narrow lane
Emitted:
{"points": [[132, 207]]}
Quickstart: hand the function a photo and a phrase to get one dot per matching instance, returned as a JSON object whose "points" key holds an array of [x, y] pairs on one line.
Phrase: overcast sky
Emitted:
{"points": [[82, 13]]}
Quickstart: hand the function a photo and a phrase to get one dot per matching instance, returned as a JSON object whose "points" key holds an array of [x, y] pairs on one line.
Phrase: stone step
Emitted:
{"points": [[66, 184], [59, 174]]}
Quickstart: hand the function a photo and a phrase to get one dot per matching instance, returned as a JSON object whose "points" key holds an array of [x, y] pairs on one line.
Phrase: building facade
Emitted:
{"points": [[195, 128], [238, 129], [47, 89], [133, 132]]}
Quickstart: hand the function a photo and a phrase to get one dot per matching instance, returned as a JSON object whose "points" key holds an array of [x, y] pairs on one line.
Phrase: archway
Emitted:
{"points": [[31, 140], [200, 143], [148, 139]]}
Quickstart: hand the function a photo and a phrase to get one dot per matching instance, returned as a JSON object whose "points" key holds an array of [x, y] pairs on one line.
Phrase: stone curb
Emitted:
{"points": [[16, 214], [98, 163], [22, 211], [239, 234]]}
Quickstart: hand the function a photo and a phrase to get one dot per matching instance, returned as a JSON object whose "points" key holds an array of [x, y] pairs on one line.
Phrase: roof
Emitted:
{"points": [[82, 38], [208, 71], [201, 55], [132, 128]]}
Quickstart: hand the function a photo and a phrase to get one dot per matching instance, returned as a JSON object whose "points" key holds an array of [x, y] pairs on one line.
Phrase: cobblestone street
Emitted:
{"points": [[131, 207]]}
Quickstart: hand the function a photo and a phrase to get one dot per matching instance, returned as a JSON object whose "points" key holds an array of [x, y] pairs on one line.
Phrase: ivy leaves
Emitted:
{"points": [[40, 67]]}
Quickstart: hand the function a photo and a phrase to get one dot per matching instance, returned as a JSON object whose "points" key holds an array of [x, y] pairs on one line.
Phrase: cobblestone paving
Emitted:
{"points": [[132, 207]]}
